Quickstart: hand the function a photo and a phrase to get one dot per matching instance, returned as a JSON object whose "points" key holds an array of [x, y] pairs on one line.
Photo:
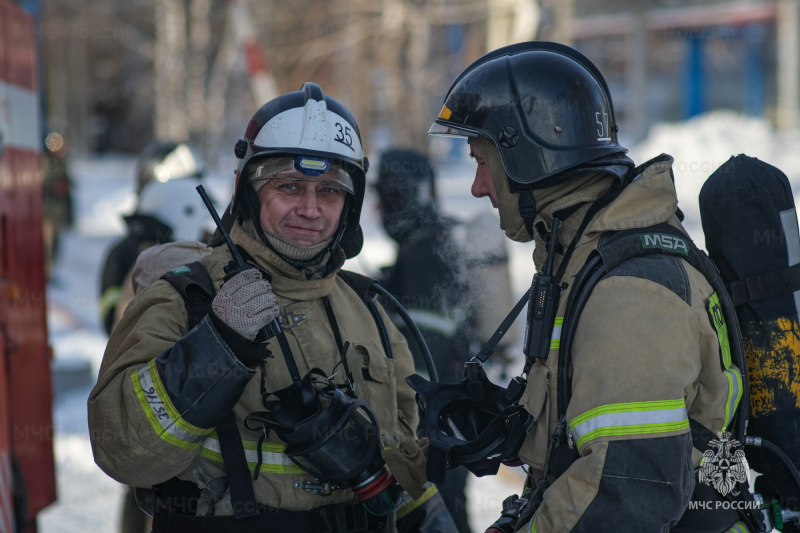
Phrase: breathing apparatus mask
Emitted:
{"points": [[334, 436]]}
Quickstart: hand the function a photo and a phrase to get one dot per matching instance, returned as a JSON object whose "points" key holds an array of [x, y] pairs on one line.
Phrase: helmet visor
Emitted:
{"points": [[448, 130]]}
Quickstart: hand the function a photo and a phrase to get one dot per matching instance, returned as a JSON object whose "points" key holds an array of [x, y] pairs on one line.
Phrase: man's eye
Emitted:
{"points": [[330, 190]]}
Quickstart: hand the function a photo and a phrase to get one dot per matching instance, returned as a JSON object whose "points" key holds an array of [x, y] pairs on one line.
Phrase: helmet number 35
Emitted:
{"points": [[343, 135], [601, 118]]}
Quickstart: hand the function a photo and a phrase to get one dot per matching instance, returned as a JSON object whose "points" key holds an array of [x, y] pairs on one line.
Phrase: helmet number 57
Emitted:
{"points": [[601, 118]]}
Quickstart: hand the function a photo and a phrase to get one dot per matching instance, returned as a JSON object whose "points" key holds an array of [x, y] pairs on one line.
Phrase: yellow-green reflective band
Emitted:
{"points": [[735, 390], [715, 312], [429, 493], [732, 374], [555, 338], [273, 460], [533, 523], [738, 527], [161, 413], [632, 418], [431, 321], [108, 300]]}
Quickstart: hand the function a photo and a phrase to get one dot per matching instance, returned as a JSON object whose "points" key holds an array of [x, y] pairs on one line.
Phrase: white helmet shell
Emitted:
{"points": [[177, 204]]}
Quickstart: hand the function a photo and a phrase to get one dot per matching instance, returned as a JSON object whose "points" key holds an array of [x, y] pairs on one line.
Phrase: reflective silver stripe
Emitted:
{"points": [[162, 413], [634, 418], [734, 394], [555, 337], [267, 457], [790, 231], [432, 321], [272, 458]]}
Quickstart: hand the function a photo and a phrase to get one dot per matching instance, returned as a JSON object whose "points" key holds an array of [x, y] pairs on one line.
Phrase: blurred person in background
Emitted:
{"points": [[168, 209], [439, 279], [56, 195]]}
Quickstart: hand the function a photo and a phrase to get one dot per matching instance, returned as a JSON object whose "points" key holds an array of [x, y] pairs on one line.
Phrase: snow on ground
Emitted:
{"points": [[88, 500]]}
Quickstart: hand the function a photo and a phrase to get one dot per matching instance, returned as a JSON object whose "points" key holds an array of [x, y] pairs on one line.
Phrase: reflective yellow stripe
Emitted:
{"points": [[632, 418], [735, 388], [533, 523], [273, 460], [161, 413], [108, 300], [555, 337], [715, 311], [738, 527], [429, 493], [445, 113]]}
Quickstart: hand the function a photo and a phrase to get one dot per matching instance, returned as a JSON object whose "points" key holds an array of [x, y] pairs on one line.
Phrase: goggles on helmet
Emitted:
{"points": [[313, 169]]}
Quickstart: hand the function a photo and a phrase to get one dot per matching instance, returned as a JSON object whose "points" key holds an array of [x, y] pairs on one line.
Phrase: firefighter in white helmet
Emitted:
{"points": [[278, 402]]}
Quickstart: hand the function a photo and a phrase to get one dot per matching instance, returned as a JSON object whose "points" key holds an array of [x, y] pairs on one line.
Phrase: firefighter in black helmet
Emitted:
{"points": [[608, 440]]}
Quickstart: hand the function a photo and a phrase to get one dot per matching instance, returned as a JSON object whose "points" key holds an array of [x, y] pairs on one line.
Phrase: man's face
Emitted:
{"points": [[303, 210], [483, 184]]}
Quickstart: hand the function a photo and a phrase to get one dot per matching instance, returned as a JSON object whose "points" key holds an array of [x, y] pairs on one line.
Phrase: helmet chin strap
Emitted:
{"points": [[527, 207]]}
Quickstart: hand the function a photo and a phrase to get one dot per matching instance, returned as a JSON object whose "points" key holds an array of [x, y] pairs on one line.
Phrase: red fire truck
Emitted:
{"points": [[27, 470]]}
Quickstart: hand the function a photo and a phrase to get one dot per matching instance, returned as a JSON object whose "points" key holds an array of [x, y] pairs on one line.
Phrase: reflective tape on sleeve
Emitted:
{"points": [[634, 418], [161, 413]]}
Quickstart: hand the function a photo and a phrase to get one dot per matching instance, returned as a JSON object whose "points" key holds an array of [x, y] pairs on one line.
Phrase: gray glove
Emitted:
{"points": [[246, 303]]}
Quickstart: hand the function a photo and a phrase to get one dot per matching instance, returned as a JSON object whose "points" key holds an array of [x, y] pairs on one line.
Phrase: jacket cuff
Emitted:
{"points": [[201, 376], [249, 353]]}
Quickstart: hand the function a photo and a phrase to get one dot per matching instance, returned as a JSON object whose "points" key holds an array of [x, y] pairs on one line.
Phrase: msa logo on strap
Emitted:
{"points": [[663, 241]]}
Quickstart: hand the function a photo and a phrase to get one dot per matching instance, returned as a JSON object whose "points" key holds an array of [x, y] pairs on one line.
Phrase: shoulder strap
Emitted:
{"points": [[623, 246], [194, 284], [361, 285]]}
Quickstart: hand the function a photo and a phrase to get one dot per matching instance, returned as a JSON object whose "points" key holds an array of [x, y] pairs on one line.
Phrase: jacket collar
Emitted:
{"points": [[288, 281]]}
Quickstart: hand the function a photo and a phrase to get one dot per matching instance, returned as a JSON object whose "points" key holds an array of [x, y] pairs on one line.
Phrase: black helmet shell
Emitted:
{"points": [[545, 106]]}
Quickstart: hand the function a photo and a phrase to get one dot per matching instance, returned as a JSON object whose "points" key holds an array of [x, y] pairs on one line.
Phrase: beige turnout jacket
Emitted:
{"points": [[156, 404], [645, 358]]}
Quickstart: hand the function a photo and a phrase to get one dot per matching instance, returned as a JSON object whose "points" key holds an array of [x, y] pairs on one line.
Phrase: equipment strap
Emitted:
{"points": [[230, 442], [194, 284], [767, 285]]}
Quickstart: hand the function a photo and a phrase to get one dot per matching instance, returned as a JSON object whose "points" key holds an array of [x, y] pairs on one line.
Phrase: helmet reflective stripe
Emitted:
{"points": [[312, 128], [273, 459], [161, 413], [633, 418]]}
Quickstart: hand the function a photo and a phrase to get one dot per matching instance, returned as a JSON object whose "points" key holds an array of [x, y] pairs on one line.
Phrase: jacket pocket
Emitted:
{"points": [[534, 400], [536, 392], [376, 383]]}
